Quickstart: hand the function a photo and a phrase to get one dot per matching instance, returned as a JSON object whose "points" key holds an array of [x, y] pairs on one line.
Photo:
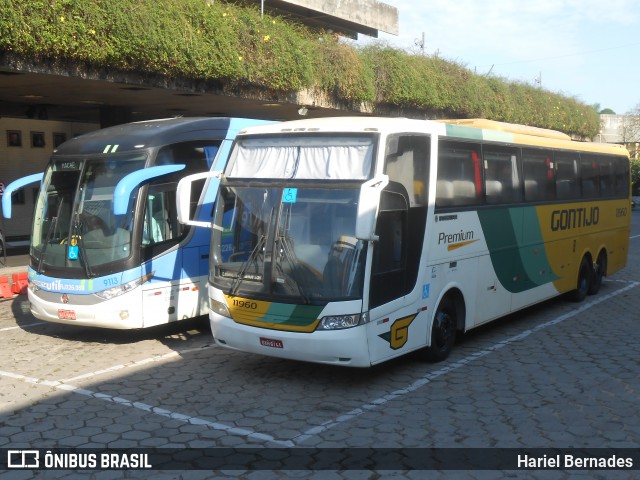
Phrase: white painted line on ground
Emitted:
{"points": [[138, 363], [241, 432], [22, 326], [421, 382]]}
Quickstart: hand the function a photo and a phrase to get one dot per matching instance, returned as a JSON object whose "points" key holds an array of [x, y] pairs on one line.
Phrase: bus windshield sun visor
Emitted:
{"points": [[17, 185], [133, 180]]}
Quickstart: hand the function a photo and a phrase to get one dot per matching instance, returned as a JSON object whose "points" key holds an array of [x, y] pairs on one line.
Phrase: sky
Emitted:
{"points": [[584, 49]]}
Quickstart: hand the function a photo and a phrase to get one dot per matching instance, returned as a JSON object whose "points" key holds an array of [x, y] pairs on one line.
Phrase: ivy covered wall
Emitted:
{"points": [[235, 45]]}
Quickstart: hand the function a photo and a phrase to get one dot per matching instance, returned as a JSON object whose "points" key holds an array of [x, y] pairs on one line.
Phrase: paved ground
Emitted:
{"points": [[560, 375]]}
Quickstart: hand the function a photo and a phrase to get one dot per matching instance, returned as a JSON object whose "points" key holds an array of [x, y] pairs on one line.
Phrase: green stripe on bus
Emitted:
{"points": [[292, 315], [500, 236], [533, 253], [497, 136], [463, 132], [519, 267]]}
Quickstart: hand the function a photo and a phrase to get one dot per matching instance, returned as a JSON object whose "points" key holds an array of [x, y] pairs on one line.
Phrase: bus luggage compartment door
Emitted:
{"points": [[170, 302]]}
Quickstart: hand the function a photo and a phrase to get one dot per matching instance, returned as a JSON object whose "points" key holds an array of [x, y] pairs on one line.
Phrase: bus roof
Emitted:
{"points": [[508, 127], [468, 129], [339, 124], [151, 133]]}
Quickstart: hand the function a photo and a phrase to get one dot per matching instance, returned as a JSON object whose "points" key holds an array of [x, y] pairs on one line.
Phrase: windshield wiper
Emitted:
{"points": [[245, 266], [293, 261], [289, 254], [252, 257]]}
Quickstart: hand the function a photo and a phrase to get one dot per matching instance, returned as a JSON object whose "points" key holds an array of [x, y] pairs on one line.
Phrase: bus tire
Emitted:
{"points": [[599, 272], [585, 276], [443, 331]]}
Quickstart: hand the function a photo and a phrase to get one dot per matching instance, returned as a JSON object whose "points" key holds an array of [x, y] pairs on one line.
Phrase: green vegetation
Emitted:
{"points": [[234, 45], [635, 176], [444, 87]]}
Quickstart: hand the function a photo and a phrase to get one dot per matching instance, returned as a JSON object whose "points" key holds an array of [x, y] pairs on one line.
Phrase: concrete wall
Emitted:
{"points": [[369, 14], [31, 156]]}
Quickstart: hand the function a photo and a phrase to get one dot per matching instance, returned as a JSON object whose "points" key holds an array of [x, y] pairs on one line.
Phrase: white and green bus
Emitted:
{"points": [[351, 241]]}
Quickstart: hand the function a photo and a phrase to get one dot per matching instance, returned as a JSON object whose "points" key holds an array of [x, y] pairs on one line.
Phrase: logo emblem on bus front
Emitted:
{"points": [[64, 298]]}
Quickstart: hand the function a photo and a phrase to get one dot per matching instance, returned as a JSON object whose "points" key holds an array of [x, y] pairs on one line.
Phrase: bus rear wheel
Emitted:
{"points": [[599, 272], [443, 331], [585, 277]]}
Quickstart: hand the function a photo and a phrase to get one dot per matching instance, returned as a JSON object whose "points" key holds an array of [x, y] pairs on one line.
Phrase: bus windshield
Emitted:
{"points": [[288, 244], [74, 225]]}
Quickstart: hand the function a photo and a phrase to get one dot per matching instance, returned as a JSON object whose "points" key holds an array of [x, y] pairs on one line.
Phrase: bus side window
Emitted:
{"points": [[607, 178], [196, 155], [160, 218], [622, 174], [590, 176], [459, 174], [407, 162], [502, 175], [567, 175], [539, 175]]}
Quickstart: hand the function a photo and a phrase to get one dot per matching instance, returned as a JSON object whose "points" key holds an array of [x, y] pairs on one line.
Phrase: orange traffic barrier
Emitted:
{"points": [[5, 288], [20, 283]]}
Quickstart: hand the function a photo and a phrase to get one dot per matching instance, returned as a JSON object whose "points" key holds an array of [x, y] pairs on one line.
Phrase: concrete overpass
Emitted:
{"points": [[30, 88]]}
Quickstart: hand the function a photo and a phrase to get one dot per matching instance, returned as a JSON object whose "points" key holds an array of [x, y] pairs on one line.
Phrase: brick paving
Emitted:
{"points": [[558, 375]]}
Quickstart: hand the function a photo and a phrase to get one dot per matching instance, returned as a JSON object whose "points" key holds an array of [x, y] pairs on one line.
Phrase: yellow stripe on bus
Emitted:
{"points": [[455, 246]]}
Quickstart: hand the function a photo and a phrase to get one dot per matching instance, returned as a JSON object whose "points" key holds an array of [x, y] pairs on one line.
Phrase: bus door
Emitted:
{"points": [[173, 292], [397, 304], [392, 325]]}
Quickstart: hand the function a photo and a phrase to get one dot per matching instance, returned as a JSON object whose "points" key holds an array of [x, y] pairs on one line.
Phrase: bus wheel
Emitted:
{"points": [[599, 272], [585, 275], [443, 331]]}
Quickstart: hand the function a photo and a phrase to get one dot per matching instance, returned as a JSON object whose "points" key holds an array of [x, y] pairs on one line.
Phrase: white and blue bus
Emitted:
{"points": [[351, 241], [107, 249]]}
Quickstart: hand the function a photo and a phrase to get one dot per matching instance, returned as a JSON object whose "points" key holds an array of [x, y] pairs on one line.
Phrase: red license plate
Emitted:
{"points": [[270, 342], [66, 315]]}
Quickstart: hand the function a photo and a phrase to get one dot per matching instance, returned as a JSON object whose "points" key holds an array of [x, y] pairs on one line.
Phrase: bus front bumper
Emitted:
{"points": [[346, 347], [119, 313]]}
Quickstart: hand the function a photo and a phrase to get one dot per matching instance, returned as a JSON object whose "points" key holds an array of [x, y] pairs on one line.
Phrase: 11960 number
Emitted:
{"points": [[245, 304]]}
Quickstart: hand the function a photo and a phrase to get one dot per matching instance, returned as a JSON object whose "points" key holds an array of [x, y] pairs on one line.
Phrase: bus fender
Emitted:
{"points": [[453, 289]]}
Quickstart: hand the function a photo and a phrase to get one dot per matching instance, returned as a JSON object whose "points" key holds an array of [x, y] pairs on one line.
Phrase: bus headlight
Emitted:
{"points": [[340, 322], [219, 307], [116, 291]]}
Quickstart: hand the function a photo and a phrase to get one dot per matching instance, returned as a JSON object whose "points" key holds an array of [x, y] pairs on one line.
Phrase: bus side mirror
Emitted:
{"points": [[17, 185], [368, 208], [183, 197]]}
